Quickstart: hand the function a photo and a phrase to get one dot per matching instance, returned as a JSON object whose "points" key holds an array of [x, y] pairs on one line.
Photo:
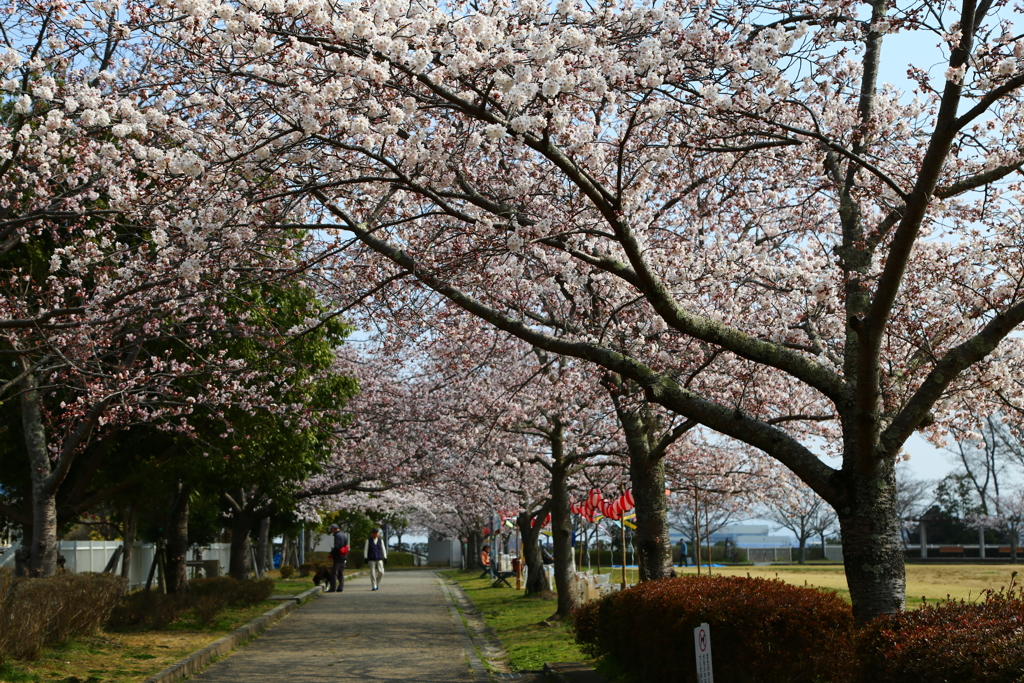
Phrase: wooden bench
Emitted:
{"points": [[951, 550], [1007, 550]]}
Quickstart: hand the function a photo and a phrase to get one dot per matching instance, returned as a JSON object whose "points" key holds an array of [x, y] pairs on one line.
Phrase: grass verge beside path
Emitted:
{"points": [[517, 619], [130, 657]]}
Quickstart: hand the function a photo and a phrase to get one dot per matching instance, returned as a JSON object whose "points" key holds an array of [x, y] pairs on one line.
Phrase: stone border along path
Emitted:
{"points": [[482, 637]]}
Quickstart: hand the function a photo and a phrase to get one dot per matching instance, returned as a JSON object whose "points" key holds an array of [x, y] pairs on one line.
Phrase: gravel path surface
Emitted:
{"points": [[403, 632]]}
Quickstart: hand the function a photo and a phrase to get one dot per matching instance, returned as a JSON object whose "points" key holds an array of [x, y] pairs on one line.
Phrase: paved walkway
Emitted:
{"points": [[403, 632]]}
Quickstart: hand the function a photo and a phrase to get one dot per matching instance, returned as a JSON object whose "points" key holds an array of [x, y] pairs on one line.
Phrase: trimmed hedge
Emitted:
{"points": [[39, 612], [762, 630], [950, 641]]}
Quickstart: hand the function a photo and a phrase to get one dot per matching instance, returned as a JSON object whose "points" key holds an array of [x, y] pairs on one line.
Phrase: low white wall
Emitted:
{"points": [[93, 556]]}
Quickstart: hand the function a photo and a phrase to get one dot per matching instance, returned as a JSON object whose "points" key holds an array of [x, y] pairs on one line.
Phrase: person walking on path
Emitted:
{"points": [[339, 556], [376, 554]]}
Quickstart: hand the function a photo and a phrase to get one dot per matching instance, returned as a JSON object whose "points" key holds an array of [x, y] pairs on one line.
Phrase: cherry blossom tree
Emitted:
{"points": [[711, 483], [800, 510], [122, 256], [721, 202]]}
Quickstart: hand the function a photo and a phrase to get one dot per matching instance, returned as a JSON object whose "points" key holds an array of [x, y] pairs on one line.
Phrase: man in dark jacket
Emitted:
{"points": [[339, 555], [376, 554]]}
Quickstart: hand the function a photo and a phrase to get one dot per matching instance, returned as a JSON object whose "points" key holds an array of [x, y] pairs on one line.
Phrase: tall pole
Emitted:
{"points": [[707, 533], [696, 528], [622, 525]]}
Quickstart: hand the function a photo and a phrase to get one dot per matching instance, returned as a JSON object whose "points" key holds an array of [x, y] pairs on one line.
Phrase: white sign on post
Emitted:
{"points": [[702, 644]]}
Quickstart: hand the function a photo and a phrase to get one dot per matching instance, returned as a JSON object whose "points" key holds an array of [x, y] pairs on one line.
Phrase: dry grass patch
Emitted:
{"points": [[108, 658], [931, 581]]}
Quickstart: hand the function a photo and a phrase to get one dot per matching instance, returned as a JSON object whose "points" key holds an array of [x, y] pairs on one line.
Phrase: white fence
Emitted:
{"points": [[834, 553], [93, 556], [782, 554]]}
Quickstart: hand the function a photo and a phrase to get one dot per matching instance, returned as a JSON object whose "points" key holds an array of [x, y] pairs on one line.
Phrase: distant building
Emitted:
{"points": [[749, 536], [742, 536]]}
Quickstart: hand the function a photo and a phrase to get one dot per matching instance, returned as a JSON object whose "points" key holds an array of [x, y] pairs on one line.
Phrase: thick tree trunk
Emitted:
{"points": [[871, 542], [536, 577], [561, 531], [177, 542], [654, 548], [43, 547], [801, 553], [241, 524], [130, 522], [647, 475], [263, 548]]}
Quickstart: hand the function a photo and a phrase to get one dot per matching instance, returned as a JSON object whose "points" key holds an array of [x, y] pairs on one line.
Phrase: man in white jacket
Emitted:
{"points": [[376, 554]]}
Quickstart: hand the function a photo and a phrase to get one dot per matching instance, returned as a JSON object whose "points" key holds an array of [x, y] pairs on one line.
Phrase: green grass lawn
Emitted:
{"points": [[517, 620]]}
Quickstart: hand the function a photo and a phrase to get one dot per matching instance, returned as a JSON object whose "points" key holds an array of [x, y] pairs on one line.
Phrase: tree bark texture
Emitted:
{"points": [[241, 524], [647, 475], [561, 530], [177, 541], [43, 547], [263, 548], [129, 525], [536, 577], [872, 554]]}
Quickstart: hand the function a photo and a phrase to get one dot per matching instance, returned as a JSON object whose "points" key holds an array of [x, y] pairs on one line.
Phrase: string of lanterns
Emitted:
{"points": [[595, 503]]}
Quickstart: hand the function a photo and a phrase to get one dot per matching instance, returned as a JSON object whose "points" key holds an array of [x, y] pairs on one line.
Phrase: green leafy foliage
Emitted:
{"points": [[761, 629]]}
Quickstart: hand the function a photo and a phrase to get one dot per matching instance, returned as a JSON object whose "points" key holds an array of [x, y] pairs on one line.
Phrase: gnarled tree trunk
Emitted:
{"points": [[536, 577], [176, 578], [561, 527], [872, 554]]}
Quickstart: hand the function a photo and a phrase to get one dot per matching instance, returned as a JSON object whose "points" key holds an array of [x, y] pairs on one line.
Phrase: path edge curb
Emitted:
{"points": [[196, 661]]}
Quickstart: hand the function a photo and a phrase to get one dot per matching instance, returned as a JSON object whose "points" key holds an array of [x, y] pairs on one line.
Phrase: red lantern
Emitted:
{"points": [[594, 498], [547, 520], [628, 496]]}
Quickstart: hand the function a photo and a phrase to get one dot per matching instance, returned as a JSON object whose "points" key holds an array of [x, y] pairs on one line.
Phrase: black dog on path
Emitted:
{"points": [[323, 576]]}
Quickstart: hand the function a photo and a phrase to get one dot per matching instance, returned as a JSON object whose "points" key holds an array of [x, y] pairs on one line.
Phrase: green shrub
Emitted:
{"points": [[306, 569], [147, 611], [399, 559], [287, 571], [205, 599], [206, 608], [761, 630], [232, 591], [39, 612], [951, 641]]}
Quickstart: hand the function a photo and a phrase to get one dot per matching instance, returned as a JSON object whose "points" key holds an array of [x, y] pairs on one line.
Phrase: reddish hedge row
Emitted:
{"points": [[764, 630], [761, 630], [953, 641]]}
